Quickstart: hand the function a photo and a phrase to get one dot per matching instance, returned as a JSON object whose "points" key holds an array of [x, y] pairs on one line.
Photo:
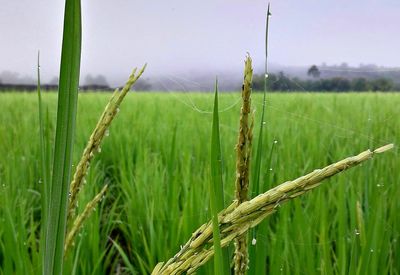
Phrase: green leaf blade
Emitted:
{"points": [[66, 115], [221, 259]]}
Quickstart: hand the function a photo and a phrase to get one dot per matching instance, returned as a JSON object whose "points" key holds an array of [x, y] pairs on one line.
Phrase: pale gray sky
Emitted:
{"points": [[178, 36]]}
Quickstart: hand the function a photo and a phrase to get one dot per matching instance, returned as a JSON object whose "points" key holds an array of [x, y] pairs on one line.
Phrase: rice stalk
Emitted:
{"points": [[97, 136], [243, 152], [234, 221], [82, 218]]}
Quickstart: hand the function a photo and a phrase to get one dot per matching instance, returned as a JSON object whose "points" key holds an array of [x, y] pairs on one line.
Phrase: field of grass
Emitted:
{"points": [[157, 162]]}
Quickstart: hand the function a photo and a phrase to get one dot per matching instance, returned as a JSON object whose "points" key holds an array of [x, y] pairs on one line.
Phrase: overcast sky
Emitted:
{"points": [[180, 36]]}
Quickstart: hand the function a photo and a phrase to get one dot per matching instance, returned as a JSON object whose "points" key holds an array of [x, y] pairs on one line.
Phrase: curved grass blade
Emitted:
{"points": [[256, 265], [125, 258], [66, 114]]}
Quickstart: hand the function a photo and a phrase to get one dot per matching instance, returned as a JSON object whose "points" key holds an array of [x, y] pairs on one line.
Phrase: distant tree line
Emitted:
{"points": [[97, 83], [316, 81], [48, 87], [282, 82]]}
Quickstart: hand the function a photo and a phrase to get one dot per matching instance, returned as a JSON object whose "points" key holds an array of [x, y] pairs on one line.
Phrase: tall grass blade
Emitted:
{"points": [[256, 264], [216, 189], [66, 114], [44, 182]]}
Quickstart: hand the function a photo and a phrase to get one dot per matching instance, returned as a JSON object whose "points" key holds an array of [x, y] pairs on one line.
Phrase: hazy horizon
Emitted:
{"points": [[182, 38]]}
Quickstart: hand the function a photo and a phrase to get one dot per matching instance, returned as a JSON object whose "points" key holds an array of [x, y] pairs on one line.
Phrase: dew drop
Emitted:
{"points": [[253, 241], [266, 75], [264, 123], [275, 141], [357, 232], [107, 133], [372, 251]]}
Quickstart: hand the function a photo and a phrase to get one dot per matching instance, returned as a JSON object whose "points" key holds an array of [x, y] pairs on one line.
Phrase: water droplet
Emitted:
{"points": [[253, 241], [372, 251], [69, 194], [3, 185], [266, 75], [357, 232], [99, 150], [275, 141], [107, 133], [270, 169], [264, 123], [117, 110]]}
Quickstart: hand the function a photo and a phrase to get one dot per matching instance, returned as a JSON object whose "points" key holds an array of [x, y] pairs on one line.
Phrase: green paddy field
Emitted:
{"points": [[157, 162]]}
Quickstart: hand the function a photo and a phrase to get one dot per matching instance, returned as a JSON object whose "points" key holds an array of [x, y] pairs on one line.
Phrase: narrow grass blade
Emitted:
{"points": [[216, 188], [44, 183], [43, 152], [125, 258], [258, 262], [66, 114]]}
